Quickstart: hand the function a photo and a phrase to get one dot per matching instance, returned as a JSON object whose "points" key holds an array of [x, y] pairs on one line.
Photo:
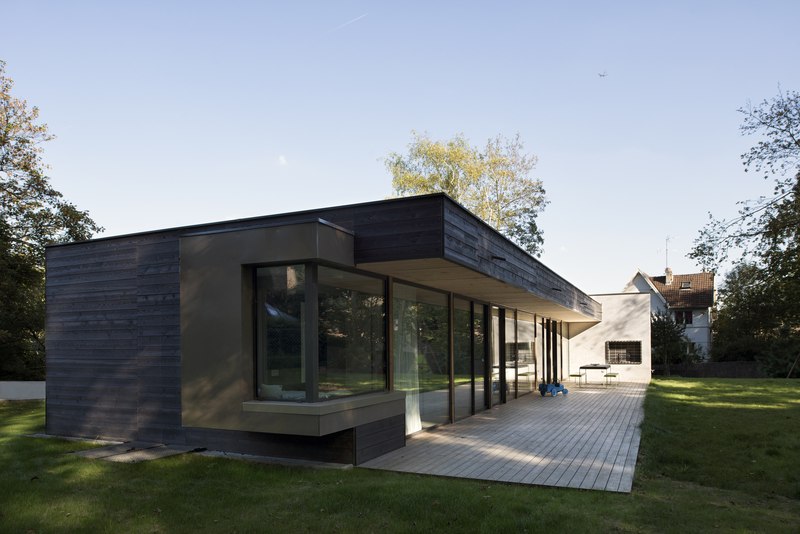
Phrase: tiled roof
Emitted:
{"points": [[699, 295]]}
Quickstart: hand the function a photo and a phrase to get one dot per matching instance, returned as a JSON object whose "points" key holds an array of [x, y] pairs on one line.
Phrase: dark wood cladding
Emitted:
{"points": [[378, 438], [113, 339], [474, 244]]}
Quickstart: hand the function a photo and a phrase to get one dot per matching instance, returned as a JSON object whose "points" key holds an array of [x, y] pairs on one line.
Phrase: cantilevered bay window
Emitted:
{"points": [[320, 333]]}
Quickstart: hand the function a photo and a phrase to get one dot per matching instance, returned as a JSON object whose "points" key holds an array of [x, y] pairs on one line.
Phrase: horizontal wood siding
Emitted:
{"points": [[378, 438], [113, 339], [91, 333], [158, 340], [336, 447], [470, 242]]}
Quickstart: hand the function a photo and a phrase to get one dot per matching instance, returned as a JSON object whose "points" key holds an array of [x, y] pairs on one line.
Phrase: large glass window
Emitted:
{"points": [[346, 354], [280, 337], [479, 354], [495, 350], [462, 359], [421, 355], [526, 347], [511, 355], [351, 333]]}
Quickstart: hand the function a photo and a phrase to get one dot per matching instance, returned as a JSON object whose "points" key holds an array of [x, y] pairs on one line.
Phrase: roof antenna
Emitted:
{"points": [[667, 253]]}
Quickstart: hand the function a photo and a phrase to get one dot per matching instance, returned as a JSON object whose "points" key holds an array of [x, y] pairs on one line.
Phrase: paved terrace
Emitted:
{"points": [[588, 439]]}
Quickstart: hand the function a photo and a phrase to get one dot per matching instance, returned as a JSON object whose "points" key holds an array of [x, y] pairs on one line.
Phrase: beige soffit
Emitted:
{"points": [[447, 276]]}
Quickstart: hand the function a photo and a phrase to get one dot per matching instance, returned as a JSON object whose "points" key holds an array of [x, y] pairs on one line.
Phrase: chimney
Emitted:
{"points": [[668, 273]]}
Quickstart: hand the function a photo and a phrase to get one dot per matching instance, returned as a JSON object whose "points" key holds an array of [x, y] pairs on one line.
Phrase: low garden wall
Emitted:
{"points": [[22, 390], [713, 370]]}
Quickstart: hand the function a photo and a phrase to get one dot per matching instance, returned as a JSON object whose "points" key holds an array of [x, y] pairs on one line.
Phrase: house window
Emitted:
{"points": [[351, 333], [421, 354], [683, 316], [623, 352], [686, 285], [314, 349], [280, 334]]}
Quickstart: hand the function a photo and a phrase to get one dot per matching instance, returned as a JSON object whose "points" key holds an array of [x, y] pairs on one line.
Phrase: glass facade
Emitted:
{"points": [[511, 354], [315, 349], [421, 355], [526, 352], [479, 349], [351, 333], [321, 335], [280, 334], [462, 359]]}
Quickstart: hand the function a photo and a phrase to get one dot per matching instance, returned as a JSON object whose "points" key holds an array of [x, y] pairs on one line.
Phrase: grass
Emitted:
{"points": [[716, 455], [731, 434]]}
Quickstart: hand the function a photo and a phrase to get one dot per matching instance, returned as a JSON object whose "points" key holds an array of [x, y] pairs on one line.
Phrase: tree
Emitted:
{"points": [[763, 242], [745, 317], [768, 224], [494, 182], [32, 215], [668, 342]]}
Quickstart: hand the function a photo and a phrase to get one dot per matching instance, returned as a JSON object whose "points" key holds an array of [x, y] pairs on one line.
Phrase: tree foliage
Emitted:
{"points": [[668, 341], [752, 323], [494, 182], [32, 216], [767, 225], [759, 314]]}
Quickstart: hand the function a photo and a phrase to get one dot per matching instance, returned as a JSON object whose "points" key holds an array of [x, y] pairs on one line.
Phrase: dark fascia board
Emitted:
{"points": [[202, 227], [504, 238], [271, 225]]}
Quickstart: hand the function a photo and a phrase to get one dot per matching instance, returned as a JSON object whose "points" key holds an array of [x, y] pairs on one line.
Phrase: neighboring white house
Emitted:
{"points": [[621, 339], [688, 297]]}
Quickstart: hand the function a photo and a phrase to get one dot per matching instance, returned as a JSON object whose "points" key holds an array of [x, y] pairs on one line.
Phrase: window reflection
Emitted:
{"points": [[280, 343], [526, 346], [351, 334], [421, 355], [350, 349], [462, 359]]}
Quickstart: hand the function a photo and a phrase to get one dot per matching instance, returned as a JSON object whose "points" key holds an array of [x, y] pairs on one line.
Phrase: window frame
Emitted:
{"points": [[616, 359], [311, 354], [685, 317]]}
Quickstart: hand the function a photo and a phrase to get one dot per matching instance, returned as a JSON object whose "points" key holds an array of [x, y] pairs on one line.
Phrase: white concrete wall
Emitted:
{"points": [[22, 390], [626, 317], [639, 285]]}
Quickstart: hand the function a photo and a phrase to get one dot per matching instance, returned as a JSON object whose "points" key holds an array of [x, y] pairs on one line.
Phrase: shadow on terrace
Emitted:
{"points": [[588, 439]]}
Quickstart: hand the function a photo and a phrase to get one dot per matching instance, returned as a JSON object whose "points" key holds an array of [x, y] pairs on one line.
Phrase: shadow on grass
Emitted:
{"points": [[49, 490], [724, 433]]}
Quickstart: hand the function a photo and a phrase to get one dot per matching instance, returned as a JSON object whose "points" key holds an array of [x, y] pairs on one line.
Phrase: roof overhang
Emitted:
{"points": [[445, 275]]}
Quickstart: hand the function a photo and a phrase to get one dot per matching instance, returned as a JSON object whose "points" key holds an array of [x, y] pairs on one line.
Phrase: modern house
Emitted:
{"points": [[329, 334], [689, 298]]}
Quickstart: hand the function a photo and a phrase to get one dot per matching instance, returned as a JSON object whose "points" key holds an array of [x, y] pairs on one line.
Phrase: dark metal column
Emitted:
{"points": [[533, 348], [548, 354], [554, 350], [311, 339], [389, 357], [501, 337], [451, 355], [472, 357]]}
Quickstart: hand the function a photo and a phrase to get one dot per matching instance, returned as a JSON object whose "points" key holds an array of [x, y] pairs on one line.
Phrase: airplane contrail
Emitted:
{"points": [[348, 23]]}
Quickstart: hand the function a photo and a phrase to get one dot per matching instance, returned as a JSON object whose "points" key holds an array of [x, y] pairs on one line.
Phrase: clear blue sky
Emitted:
{"points": [[175, 113]]}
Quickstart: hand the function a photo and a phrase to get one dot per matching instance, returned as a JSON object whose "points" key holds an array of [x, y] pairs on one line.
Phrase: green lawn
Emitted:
{"points": [[716, 455]]}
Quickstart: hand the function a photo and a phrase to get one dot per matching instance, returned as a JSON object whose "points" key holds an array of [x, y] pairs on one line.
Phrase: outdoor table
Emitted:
{"points": [[600, 366]]}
